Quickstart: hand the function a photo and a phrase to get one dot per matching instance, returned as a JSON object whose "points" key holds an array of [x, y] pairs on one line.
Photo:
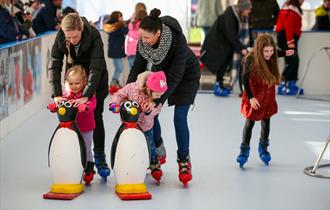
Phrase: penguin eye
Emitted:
{"points": [[136, 104], [67, 104], [127, 104], [62, 103]]}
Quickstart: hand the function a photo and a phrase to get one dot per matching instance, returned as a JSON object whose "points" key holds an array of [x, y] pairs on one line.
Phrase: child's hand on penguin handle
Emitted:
{"points": [[59, 99], [114, 108], [52, 107], [83, 108], [254, 103]]}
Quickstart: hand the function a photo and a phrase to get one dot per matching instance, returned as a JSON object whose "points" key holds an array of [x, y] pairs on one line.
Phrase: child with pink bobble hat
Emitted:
{"points": [[155, 86]]}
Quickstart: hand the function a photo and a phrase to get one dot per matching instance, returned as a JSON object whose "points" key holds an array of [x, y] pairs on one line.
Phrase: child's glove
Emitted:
{"points": [[52, 107], [115, 108], [82, 108]]}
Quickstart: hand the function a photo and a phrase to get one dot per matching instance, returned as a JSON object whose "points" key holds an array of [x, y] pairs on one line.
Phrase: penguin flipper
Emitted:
{"points": [[115, 143], [50, 143]]}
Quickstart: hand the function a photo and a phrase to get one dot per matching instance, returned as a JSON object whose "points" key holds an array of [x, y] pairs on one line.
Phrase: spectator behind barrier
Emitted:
{"points": [[8, 29], [322, 16], [47, 19]]}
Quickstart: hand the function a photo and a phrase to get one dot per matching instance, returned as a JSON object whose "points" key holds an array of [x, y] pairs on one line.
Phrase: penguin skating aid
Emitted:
{"points": [[66, 155], [130, 156]]}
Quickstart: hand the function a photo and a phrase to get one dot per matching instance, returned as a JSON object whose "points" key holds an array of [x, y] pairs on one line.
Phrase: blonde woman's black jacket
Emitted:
{"points": [[90, 56], [180, 66]]}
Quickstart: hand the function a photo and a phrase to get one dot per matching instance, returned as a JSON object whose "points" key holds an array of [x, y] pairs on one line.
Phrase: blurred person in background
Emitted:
{"points": [[322, 16]]}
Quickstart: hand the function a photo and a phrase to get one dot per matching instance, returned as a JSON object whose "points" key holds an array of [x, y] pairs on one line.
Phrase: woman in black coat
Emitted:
{"points": [[223, 40], [163, 45], [82, 45]]}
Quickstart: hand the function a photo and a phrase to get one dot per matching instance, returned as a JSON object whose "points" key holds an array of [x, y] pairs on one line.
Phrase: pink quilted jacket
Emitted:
{"points": [[132, 38], [132, 92]]}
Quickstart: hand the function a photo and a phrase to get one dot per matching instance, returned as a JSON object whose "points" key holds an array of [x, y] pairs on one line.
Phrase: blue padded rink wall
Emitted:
{"points": [[297, 136]]}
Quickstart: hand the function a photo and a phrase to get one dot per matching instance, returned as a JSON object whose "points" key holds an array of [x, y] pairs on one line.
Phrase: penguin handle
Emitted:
{"points": [[52, 107], [115, 108]]}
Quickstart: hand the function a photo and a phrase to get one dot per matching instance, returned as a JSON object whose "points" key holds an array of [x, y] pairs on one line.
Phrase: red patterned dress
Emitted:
{"points": [[265, 94]]}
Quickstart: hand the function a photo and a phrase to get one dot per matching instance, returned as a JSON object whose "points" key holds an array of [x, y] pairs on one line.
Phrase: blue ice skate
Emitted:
{"points": [[101, 165], [243, 156], [263, 153]]}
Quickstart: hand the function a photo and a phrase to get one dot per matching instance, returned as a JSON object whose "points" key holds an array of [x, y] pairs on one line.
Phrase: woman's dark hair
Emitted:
{"points": [[152, 23], [114, 17], [295, 3], [68, 10]]}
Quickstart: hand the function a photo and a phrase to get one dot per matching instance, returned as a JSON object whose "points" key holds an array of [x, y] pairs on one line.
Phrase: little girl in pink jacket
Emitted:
{"points": [[75, 82], [154, 88]]}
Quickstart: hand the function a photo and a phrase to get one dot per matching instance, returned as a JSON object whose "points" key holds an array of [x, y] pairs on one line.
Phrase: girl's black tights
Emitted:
{"points": [[247, 131]]}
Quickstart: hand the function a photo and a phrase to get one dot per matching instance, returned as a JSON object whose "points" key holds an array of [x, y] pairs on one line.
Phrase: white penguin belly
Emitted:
{"points": [[132, 157], [65, 157]]}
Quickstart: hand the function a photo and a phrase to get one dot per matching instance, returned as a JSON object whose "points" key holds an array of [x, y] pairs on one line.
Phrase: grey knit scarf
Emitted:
{"points": [[156, 56]]}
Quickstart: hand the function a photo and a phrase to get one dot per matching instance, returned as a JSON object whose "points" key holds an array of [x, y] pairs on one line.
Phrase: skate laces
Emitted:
{"points": [[244, 150], [155, 166], [89, 168], [264, 146], [100, 162], [184, 165]]}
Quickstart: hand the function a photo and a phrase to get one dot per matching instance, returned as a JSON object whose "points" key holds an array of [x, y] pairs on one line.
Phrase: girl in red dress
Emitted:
{"points": [[260, 76]]}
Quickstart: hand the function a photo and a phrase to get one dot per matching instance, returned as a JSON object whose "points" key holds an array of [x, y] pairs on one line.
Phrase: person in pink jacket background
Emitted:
{"points": [[132, 37], [75, 82], [154, 87]]}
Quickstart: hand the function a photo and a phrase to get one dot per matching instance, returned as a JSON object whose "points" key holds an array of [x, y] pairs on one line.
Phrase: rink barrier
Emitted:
{"points": [[24, 95]]}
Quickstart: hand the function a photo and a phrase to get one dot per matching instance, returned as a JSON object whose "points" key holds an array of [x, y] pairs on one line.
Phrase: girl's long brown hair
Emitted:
{"points": [[267, 70], [295, 3]]}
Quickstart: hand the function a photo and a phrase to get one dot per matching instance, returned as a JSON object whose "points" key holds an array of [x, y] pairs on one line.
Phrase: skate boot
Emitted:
{"points": [[293, 89], [218, 91], [161, 152], [263, 153], [243, 156], [101, 165], [114, 87], [156, 171], [184, 170], [89, 173], [281, 89]]}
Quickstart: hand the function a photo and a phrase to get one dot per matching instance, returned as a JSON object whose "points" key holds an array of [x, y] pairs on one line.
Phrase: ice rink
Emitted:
{"points": [[297, 135]]}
